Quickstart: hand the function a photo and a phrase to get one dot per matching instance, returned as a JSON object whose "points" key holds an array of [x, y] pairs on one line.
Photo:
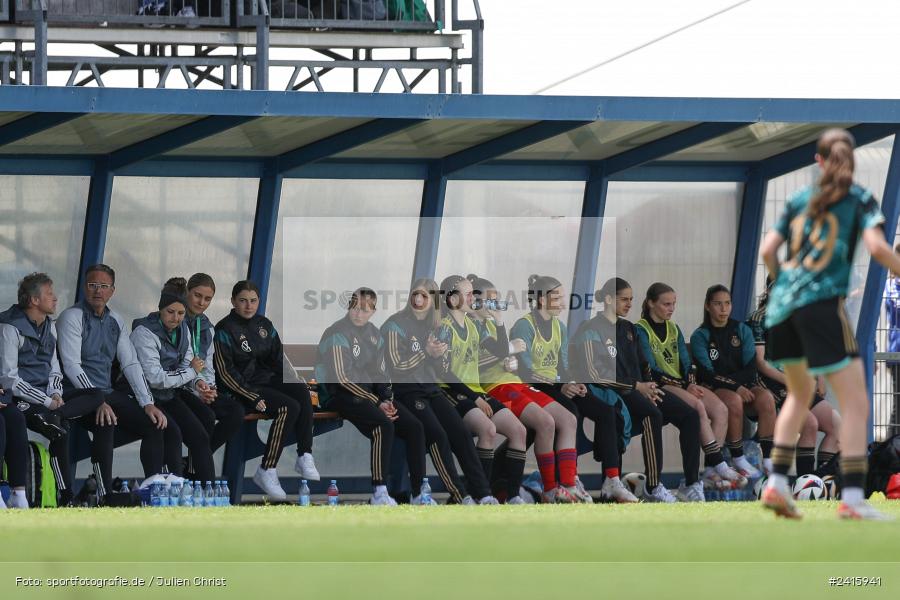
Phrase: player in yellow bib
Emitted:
{"points": [[670, 367], [483, 415], [552, 425]]}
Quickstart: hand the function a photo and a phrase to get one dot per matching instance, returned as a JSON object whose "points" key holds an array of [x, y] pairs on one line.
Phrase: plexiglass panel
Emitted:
{"points": [[41, 228], [162, 227], [683, 234]]}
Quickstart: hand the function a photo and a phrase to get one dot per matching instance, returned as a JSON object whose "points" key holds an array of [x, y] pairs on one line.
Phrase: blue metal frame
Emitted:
{"points": [[753, 207], [504, 144], [265, 226], [430, 213], [587, 255], [172, 140], [33, 124], [870, 309], [438, 106], [667, 145], [341, 142], [96, 220], [802, 156]]}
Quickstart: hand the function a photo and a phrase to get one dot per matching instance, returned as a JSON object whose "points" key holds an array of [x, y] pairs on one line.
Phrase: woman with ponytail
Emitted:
{"points": [[809, 332], [670, 367]]}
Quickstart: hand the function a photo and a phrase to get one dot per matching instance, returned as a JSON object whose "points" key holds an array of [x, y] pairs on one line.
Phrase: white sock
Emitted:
{"points": [[18, 499], [767, 465], [381, 490], [741, 462], [778, 481], [852, 495]]}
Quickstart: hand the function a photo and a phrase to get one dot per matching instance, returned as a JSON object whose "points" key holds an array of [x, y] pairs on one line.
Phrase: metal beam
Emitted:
{"points": [[32, 125], [430, 217], [265, 224], [96, 220], [870, 310], [341, 142], [670, 144], [753, 207], [172, 140], [802, 156], [507, 143], [587, 256]]}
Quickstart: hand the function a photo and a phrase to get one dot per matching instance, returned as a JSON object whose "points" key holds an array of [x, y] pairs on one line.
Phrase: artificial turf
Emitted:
{"points": [[715, 550]]}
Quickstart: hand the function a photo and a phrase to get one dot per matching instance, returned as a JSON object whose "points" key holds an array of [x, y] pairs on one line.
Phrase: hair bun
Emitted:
{"points": [[177, 285]]}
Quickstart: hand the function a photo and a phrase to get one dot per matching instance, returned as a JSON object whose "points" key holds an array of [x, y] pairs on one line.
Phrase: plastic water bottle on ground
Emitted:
{"points": [[164, 494], [155, 489], [217, 493], [187, 494], [175, 494], [303, 495], [334, 495], [753, 453], [125, 489], [425, 492], [209, 496], [226, 493], [198, 495]]}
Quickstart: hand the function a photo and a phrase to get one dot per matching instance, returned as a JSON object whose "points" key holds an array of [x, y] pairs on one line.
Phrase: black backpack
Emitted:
{"points": [[884, 461]]}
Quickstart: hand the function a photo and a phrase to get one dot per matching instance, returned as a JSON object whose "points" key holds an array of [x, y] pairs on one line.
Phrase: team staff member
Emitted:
{"points": [[670, 367], [607, 353], [411, 349], [821, 417], [162, 342], [30, 370], [13, 450], [221, 415], [725, 355], [483, 415], [809, 333], [351, 363], [91, 337], [249, 363]]}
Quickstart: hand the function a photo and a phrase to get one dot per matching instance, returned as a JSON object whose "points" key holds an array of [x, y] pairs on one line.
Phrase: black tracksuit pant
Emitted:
{"points": [[375, 425], [132, 423], [445, 435], [221, 419], [13, 444], [185, 428], [289, 405]]}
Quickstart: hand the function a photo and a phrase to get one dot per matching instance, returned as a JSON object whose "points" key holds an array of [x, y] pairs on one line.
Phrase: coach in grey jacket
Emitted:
{"points": [[91, 338]]}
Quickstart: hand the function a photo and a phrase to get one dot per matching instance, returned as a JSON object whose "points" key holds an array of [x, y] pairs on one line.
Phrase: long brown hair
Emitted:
{"points": [[835, 146], [653, 293], [431, 288]]}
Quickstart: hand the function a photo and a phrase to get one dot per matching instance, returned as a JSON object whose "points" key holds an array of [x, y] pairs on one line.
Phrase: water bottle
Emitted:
{"points": [[425, 492], [154, 494], [209, 496], [187, 494], [198, 495], [493, 304], [164, 495], [303, 495], [334, 495], [125, 489], [175, 494], [753, 453], [226, 493]]}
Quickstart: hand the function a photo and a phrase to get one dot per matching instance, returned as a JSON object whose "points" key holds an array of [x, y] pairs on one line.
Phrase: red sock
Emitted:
{"points": [[567, 459], [547, 466], [614, 472]]}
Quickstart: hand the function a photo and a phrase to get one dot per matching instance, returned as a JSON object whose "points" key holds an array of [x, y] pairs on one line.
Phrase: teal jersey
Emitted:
{"points": [[820, 251]]}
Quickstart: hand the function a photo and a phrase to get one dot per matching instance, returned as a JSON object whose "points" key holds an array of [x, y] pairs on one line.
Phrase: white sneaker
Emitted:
{"points": [[487, 500], [468, 501], [691, 493], [2, 504], [418, 501], [659, 494], [267, 480], [728, 474], [306, 466], [526, 495], [743, 466], [382, 499], [581, 493], [614, 490], [517, 500], [559, 495]]}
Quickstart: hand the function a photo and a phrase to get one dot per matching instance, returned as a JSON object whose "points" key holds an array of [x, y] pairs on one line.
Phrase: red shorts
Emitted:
{"points": [[516, 396]]}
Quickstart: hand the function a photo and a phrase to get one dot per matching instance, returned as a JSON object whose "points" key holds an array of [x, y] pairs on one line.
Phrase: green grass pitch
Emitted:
{"points": [[715, 550]]}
